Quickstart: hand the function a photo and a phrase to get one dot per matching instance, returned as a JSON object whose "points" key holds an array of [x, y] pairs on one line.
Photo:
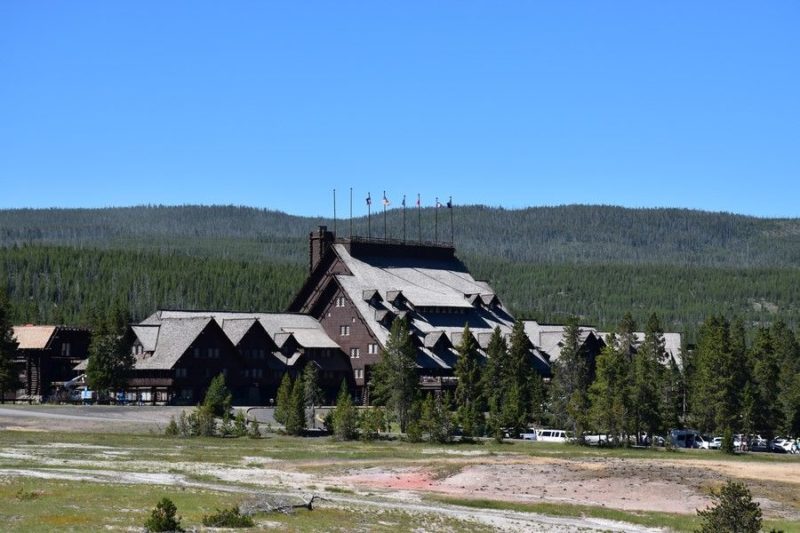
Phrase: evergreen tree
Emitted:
{"points": [[435, 419], [715, 396], [283, 400], [493, 382], [110, 362], [519, 378], [468, 388], [787, 355], [765, 371], [648, 384], [218, 399], [733, 511], [296, 414], [312, 392], [608, 393], [344, 417], [8, 347], [394, 379], [569, 388]]}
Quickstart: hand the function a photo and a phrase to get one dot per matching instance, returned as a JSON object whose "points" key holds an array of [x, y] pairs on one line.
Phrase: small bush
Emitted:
{"points": [[184, 428], [162, 518], [172, 428], [201, 423], [228, 518], [727, 441], [733, 510], [239, 424], [255, 429]]}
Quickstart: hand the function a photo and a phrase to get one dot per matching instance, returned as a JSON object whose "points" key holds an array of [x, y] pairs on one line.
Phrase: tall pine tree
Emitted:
{"points": [[468, 389], [394, 380]]}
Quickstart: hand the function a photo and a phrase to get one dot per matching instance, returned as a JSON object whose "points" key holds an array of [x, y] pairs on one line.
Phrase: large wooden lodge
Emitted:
{"points": [[339, 321]]}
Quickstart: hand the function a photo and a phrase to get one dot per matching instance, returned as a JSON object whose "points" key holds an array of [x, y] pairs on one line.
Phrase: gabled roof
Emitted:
{"points": [[279, 326], [237, 328], [147, 335], [33, 337], [175, 336], [437, 290]]}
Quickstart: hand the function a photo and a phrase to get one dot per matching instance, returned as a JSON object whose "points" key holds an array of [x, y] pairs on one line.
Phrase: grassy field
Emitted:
{"points": [[101, 481]]}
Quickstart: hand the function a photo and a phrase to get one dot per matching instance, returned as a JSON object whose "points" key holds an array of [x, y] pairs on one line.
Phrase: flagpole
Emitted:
{"points": [[384, 215], [369, 216], [450, 205], [436, 221], [351, 213], [334, 211], [404, 219]]}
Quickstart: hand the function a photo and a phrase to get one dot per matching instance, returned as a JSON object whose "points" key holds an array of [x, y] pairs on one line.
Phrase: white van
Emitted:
{"points": [[551, 435]]}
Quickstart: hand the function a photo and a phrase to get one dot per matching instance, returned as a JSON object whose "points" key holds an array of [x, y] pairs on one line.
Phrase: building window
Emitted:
{"points": [[358, 373], [344, 330], [355, 353], [181, 372], [340, 301], [196, 352], [66, 348], [372, 349]]}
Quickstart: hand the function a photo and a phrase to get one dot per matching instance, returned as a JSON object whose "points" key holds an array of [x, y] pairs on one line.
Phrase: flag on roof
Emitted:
{"points": [[438, 203], [403, 203], [385, 200], [450, 203], [418, 200], [369, 199]]}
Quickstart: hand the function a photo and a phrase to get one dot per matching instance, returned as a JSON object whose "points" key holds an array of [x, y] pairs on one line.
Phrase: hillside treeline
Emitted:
{"points": [[73, 286], [566, 234], [49, 284]]}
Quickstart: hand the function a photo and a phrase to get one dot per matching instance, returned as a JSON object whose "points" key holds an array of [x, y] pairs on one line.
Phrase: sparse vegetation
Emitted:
{"points": [[230, 517], [733, 511], [163, 517]]}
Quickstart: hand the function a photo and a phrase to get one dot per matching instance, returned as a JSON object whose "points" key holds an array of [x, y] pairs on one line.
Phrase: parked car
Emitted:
{"points": [[716, 443], [702, 442]]}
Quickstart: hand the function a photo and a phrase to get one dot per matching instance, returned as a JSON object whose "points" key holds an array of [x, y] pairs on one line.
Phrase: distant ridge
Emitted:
{"points": [[579, 234]]}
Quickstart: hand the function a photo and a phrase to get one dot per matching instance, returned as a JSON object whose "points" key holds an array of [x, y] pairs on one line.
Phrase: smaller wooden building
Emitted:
{"points": [[45, 357], [179, 352]]}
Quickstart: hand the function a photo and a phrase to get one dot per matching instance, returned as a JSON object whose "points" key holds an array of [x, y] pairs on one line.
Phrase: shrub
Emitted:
{"points": [[184, 427], [371, 422], [172, 428], [228, 518], [239, 424], [218, 398], [727, 441], [162, 518], [201, 423], [733, 510], [255, 429], [344, 418]]}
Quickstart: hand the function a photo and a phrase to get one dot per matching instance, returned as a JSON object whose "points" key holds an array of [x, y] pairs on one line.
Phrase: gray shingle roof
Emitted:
{"points": [[175, 336], [440, 284], [147, 335]]}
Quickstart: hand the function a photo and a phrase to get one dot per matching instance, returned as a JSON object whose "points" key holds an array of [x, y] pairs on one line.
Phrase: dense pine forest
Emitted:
{"points": [[597, 262]]}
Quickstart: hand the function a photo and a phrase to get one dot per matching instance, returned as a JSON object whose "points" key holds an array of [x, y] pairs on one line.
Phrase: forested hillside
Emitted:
{"points": [[547, 263]]}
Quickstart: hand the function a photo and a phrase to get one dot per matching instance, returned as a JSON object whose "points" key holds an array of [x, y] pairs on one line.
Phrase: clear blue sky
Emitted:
{"points": [[685, 104]]}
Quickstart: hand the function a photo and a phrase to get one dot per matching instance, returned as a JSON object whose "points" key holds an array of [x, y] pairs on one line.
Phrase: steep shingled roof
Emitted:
{"points": [[437, 289], [174, 338]]}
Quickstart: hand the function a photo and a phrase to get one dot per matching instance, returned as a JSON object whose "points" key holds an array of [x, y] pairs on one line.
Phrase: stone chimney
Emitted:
{"points": [[318, 244]]}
